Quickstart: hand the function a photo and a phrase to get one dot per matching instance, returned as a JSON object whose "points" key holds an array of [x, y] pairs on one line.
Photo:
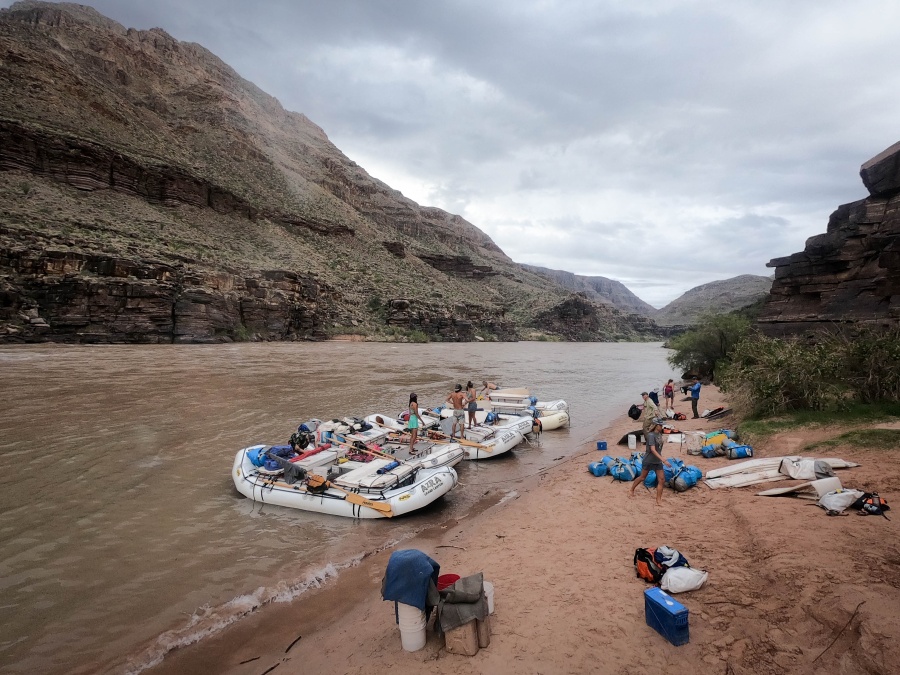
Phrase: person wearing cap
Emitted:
{"points": [[458, 398], [695, 396], [652, 461], [650, 413], [415, 420]]}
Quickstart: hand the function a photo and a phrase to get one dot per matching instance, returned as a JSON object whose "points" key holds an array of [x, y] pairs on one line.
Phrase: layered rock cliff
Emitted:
{"points": [[150, 194], [850, 274]]}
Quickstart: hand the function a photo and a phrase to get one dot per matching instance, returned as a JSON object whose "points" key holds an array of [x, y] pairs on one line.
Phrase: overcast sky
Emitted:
{"points": [[661, 143]]}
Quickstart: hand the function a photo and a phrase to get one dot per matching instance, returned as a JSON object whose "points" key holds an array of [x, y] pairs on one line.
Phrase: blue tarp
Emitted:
{"points": [[407, 577]]}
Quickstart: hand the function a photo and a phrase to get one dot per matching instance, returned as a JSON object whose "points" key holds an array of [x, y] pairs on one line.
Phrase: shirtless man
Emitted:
{"points": [[458, 398], [487, 388]]}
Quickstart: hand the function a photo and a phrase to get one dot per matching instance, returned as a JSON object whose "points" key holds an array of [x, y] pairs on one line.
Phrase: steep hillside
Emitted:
{"points": [[717, 296], [597, 289], [150, 194]]}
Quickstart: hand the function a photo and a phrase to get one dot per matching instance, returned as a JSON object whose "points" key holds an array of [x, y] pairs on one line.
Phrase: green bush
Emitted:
{"points": [[872, 362], [768, 376], [706, 346]]}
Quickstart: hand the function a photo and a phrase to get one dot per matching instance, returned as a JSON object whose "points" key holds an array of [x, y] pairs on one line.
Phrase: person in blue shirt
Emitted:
{"points": [[695, 396]]}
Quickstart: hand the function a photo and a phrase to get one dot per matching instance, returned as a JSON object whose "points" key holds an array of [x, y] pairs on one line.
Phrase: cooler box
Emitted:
{"points": [[601, 445], [667, 616]]}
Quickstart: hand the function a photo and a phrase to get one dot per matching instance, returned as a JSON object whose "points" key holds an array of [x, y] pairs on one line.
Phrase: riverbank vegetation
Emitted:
{"points": [[838, 372]]}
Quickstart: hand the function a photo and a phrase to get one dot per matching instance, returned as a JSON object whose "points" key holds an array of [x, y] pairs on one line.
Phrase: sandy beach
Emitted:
{"points": [[790, 589]]}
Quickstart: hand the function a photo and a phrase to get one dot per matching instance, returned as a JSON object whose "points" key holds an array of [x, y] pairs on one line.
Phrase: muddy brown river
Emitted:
{"points": [[121, 533]]}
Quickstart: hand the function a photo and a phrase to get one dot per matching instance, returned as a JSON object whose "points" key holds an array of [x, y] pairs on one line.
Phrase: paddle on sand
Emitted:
{"points": [[314, 480]]}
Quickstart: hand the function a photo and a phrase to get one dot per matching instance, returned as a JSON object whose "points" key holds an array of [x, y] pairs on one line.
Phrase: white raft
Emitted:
{"points": [[497, 444], [359, 492], [382, 438], [552, 414]]}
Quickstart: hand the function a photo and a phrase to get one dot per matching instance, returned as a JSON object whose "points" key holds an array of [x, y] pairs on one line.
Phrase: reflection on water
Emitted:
{"points": [[120, 523]]}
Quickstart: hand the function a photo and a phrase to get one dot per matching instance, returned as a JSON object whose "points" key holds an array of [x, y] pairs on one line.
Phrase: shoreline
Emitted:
{"points": [[559, 554]]}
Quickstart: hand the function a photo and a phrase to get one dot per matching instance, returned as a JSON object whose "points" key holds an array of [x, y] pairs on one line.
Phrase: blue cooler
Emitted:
{"points": [[666, 616], [601, 445]]}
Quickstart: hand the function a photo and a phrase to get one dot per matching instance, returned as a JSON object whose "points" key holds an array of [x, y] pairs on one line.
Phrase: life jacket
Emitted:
{"points": [[680, 417], [646, 567]]}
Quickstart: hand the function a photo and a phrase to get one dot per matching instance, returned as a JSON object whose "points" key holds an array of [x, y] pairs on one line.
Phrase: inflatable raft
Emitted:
{"points": [[383, 439], [381, 488], [493, 444]]}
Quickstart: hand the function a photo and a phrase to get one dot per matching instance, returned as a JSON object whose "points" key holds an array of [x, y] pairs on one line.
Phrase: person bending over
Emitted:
{"points": [[488, 388]]}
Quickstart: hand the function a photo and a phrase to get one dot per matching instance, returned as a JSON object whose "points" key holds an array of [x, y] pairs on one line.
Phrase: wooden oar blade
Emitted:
{"points": [[315, 480]]}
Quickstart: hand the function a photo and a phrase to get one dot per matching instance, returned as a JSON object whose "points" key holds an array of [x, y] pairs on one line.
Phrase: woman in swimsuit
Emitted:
{"points": [[414, 421], [669, 395]]}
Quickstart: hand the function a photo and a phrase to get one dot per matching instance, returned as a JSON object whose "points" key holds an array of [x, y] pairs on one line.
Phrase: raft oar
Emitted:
{"points": [[461, 441], [314, 480]]}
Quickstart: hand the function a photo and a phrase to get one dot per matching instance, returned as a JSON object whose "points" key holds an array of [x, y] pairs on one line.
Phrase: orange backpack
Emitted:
{"points": [[646, 567]]}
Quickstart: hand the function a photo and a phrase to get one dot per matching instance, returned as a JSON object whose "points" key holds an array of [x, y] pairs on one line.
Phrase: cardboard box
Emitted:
{"points": [[463, 640], [483, 628]]}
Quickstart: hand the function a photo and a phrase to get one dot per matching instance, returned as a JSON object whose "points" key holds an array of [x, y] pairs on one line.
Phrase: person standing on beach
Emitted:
{"points": [[653, 461], [415, 420], [695, 396], [457, 398], [669, 395], [472, 407]]}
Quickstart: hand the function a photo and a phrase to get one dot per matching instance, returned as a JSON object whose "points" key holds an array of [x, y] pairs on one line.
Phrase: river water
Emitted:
{"points": [[121, 533]]}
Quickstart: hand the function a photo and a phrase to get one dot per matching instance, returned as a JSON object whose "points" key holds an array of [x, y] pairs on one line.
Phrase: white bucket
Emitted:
{"points": [[632, 442], [489, 594], [412, 627]]}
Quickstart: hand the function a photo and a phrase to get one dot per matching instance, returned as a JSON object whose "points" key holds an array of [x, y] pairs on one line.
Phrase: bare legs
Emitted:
{"points": [[660, 481], [413, 437]]}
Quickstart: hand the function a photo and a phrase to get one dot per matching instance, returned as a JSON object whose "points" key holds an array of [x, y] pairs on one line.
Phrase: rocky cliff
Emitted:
{"points": [[579, 319], [850, 274], [148, 193]]}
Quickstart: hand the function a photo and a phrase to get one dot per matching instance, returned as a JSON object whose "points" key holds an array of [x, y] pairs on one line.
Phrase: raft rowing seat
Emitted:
{"points": [[366, 476], [509, 395], [479, 434], [324, 458]]}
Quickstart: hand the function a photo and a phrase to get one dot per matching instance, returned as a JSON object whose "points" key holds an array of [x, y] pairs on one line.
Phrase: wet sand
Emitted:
{"points": [[790, 590]]}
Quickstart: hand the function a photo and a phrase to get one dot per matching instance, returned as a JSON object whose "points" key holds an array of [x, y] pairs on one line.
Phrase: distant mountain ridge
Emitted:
{"points": [[717, 296], [598, 289]]}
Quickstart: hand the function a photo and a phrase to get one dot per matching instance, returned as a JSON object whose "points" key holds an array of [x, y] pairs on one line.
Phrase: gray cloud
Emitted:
{"points": [[663, 144]]}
